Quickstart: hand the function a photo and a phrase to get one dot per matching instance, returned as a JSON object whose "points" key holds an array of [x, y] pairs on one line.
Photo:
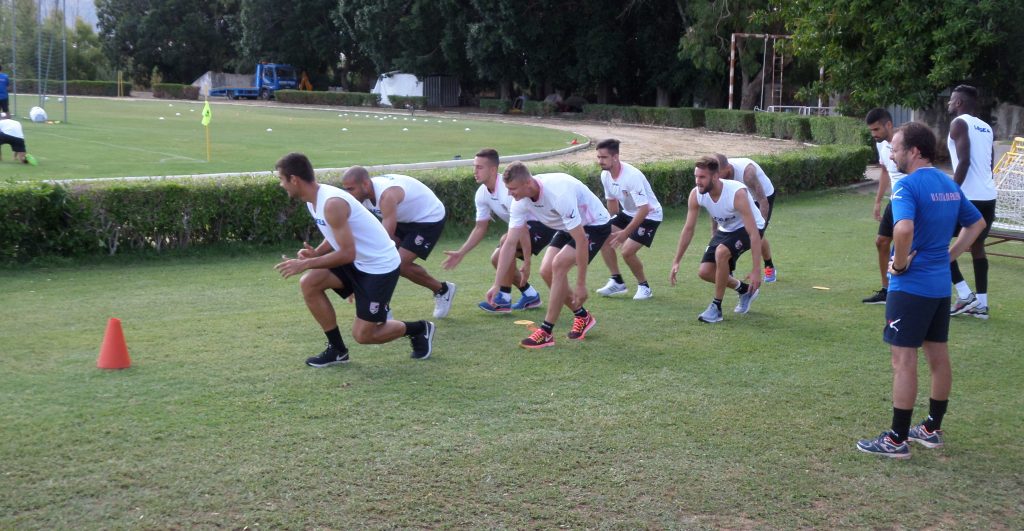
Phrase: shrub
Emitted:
{"points": [[402, 102], [667, 116], [783, 125], [76, 87], [538, 108], [823, 130], [314, 97], [851, 131], [729, 121], [175, 91], [494, 105]]}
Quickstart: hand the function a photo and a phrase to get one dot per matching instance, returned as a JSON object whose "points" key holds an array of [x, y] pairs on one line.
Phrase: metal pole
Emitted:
{"points": [[764, 65], [732, 66], [14, 62], [64, 40]]}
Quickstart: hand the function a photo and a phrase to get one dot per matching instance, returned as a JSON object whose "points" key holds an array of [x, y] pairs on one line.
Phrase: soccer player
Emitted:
{"points": [[492, 200], [413, 217], [880, 124], [970, 150], [636, 216], [4, 96], [356, 258], [925, 204], [763, 192], [566, 205], [12, 133], [736, 226]]}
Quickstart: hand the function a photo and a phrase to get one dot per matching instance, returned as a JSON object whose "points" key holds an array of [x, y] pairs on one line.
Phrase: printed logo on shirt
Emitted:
{"points": [[321, 222]]}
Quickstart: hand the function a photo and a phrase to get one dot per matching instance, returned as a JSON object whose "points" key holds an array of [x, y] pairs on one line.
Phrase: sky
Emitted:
{"points": [[84, 9]]}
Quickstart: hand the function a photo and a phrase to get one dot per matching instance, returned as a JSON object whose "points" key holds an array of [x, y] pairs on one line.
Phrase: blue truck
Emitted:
{"points": [[268, 78]]}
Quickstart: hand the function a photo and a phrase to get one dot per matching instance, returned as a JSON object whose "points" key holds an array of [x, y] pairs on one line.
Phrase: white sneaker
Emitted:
{"points": [[443, 303], [612, 288], [643, 293]]}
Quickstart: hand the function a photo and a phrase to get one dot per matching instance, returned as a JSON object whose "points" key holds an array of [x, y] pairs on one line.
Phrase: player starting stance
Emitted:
{"points": [[492, 199], [356, 258], [763, 192], [970, 151], [636, 215], [413, 217], [925, 204], [880, 124], [563, 203], [736, 227]]}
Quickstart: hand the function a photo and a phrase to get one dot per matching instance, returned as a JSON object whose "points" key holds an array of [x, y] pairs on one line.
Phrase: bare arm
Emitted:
{"points": [[388, 205], [750, 179], [962, 142], [336, 212], [452, 258], [966, 239], [884, 183], [686, 236], [745, 209]]}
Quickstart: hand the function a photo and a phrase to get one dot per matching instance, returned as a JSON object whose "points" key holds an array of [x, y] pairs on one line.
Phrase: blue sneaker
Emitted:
{"points": [[527, 302], [499, 306], [769, 274], [885, 446], [928, 439]]}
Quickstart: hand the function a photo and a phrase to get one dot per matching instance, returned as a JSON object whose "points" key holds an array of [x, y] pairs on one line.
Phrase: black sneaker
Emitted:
{"points": [[423, 344], [330, 356], [877, 298]]}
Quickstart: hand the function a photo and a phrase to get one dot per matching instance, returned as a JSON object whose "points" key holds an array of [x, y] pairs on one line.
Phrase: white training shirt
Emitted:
{"points": [[419, 206], [978, 184], [739, 165], [498, 204], [885, 158], [12, 128], [564, 204], [724, 211], [632, 190], [375, 250]]}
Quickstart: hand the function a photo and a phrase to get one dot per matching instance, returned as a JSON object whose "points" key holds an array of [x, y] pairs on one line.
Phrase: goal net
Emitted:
{"points": [[1009, 179]]}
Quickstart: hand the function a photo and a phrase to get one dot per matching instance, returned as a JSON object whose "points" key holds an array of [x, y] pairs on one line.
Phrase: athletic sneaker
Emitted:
{"points": [[29, 159], [443, 303], [423, 344], [330, 356], [499, 306], [877, 298], [538, 339], [612, 288], [962, 305], [581, 325], [885, 446], [769, 274], [981, 312], [928, 439], [712, 315], [643, 293], [527, 302], [743, 306]]}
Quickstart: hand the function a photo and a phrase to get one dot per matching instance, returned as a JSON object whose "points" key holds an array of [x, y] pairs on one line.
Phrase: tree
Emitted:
{"points": [[85, 54], [303, 35]]}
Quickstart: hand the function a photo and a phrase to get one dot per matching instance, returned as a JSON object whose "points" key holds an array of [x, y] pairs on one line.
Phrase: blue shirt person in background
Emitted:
{"points": [[4, 82]]}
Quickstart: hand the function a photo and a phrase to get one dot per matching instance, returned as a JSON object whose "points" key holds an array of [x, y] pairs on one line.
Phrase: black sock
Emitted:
{"points": [[645, 284], [582, 312], [742, 288], [769, 263], [547, 327], [522, 289], [954, 269], [443, 290], [507, 290], [901, 423], [415, 328], [618, 278], [936, 410], [334, 338], [981, 275], [718, 302]]}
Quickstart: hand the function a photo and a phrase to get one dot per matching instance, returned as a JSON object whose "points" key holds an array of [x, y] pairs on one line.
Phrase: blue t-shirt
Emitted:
{"points": [[935, 204], [4, 80]]}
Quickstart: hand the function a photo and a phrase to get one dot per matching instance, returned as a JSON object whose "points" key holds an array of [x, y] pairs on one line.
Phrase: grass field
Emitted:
{"points": [[655, 421], [135, 137]]}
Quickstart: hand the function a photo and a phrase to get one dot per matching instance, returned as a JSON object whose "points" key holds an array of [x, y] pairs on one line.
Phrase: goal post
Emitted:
{"points": [[1009, 180]]}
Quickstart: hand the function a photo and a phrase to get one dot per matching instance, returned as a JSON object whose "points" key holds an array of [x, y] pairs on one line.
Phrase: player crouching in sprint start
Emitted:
{"points": [[736, 226], [563, 203], [357, 257]]}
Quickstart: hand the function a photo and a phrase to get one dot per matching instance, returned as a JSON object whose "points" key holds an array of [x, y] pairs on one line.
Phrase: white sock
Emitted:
{"points": [[983, 300], [962, 289], [530, 292]]}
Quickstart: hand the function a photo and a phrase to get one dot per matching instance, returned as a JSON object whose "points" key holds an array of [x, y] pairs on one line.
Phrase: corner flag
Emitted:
{"points": [[207, 114]]}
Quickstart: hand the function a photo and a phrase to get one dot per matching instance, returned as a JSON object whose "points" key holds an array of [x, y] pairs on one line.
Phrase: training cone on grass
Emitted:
{"points": [[114, 352]]}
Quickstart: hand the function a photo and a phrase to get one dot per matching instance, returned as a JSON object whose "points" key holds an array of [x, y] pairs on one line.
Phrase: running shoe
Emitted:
{"points": [[581, 325], [330, 356], [527, 302], [928, 439], [712, 315], [962, 305], [877, 298], [885, 446], [612, 288], [538, 339]]}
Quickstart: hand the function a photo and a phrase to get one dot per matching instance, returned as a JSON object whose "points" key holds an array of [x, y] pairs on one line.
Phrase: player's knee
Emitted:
{"points": [[882, 243], [309, 283], [722, 253]]}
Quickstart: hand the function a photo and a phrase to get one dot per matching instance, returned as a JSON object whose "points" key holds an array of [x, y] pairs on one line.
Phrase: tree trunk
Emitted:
{"points": [[663, 99], [602, 93]]}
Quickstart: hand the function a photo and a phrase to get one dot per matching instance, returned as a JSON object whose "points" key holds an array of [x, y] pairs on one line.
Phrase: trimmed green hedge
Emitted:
{"points": [[175, 91], [729, 121], [316, 97], [783, 125], [538, 108], [400, 102], [75, 87], [668, 116], [105, 218], [495, 105]]}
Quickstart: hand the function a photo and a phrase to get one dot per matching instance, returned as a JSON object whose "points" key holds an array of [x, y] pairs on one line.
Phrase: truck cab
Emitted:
{"points": [[271, 76]]}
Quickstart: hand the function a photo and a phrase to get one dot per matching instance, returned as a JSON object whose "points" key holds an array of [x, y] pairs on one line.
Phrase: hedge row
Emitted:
{"points": [[319, 97], [175, 91], [75, 87], [688, 117], [88, 219], [403, 102], [495, 105]]}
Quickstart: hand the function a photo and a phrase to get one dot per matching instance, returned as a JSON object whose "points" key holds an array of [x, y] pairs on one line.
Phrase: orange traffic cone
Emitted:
{"points": [[574, 142], [114, 352]]}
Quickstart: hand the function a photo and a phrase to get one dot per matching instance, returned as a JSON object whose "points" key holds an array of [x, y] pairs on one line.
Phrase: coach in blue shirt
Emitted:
{"points": [[4, 81]]}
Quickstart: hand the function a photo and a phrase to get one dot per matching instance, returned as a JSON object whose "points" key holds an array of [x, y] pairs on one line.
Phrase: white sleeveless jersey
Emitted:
{"points": [[12, 128], [498, 204], [739, 165], [375, 251], [632, 190], [724, 211], [885, 159], [419, 206], [564, 204], [978, 184]]}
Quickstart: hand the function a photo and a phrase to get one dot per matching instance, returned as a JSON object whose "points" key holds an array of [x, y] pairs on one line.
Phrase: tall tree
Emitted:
{"points": [[303, 35], [85, 54]]}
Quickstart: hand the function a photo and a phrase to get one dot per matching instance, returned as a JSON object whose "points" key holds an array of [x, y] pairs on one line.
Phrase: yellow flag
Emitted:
{"points": [[207, 114]]}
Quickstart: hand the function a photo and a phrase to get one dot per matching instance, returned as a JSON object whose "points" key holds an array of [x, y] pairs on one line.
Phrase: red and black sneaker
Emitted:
{"points": [[538, 339], [581, 325]]}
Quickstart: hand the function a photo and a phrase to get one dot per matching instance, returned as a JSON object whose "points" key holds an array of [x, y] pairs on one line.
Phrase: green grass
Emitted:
{"points": [[129, 137], [656, 420]]}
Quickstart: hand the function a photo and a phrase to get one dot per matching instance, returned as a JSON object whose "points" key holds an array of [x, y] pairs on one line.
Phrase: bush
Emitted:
{"points": [[494, 105], [783, 125], [666, 116], [402, 102], [823, 130], [75, 87], [538, 108], [851, 131], [314, 97], [175, 91], [729, 121]]}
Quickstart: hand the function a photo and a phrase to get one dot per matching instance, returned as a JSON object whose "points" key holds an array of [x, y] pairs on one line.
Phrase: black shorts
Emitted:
{"points": [[910, 320], [738, 241], [373, 292], [419, 238], [771, 208], [17, 144], [885, 226], [540, 236], [596, 235], [988, 213], [644, 234]]}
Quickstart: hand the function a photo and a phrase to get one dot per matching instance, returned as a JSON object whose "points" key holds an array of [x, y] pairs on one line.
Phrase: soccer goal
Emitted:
{"points": [[33, 51], [1009, 179]]}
